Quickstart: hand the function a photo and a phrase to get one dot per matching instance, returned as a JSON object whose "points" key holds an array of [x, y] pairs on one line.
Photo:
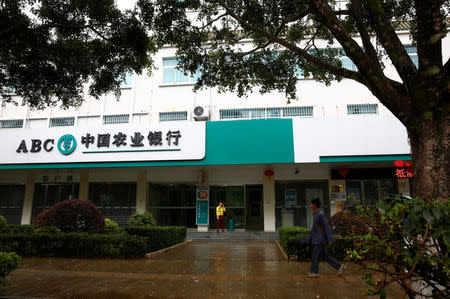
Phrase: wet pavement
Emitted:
{"points": [[196, 270]]}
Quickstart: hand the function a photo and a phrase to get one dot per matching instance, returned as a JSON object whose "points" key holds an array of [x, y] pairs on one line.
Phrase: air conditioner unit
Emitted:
{"points": [[201, 113]]}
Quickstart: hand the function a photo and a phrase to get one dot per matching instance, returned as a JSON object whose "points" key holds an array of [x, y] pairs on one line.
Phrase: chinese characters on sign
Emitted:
{"points": [[403, 169], [155, 138]]}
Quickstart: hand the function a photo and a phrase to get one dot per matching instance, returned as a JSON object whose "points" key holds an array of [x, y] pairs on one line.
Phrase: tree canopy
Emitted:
{"points": [[286, 36], [50, 50]]}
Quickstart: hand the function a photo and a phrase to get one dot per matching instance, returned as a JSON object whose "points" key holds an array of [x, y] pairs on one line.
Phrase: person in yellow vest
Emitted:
{"points": [[220, 213]]}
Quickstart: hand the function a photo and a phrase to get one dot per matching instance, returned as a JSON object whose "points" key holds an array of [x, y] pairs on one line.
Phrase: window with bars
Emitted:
{"points": [[412, 52], [62, 121], [173, 116], [173, 75], [353, 109], [116, 119], [264, 113], [12, 123]]}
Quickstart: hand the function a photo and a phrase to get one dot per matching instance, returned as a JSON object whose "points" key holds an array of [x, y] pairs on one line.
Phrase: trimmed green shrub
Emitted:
{"points": [[73, 215], [3, 224], [141, 219], [345, 223], [86, 245], [111, 226], [290, 239], [9, 261], [159, 237], [48, 229], [21, 228]]}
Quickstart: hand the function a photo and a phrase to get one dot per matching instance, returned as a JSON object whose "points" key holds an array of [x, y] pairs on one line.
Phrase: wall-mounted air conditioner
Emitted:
{"points": [[201, 113]]}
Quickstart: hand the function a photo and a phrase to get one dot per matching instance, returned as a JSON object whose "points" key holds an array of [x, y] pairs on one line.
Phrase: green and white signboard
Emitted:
{"points": [[202, 206]]}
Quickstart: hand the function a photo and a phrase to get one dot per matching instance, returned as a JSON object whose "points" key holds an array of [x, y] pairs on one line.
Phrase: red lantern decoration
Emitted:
{"points": [[344, 171], [269, 172]]}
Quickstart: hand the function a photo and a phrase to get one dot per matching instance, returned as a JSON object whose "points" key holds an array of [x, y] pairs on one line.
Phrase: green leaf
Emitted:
{"points": [[428, 215], [437, 213], [382, 294], [388, 251]]}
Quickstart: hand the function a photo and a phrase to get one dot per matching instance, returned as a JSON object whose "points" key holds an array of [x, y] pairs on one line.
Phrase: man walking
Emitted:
{"points": [[319, 237], [220, 210]]}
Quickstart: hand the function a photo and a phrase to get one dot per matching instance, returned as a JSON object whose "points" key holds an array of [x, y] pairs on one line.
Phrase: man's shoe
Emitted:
{"points": [[313, 275], [342, 269]]}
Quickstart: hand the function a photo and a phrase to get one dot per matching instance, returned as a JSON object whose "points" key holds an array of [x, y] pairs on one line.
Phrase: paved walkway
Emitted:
{"points": [[197, 270]]}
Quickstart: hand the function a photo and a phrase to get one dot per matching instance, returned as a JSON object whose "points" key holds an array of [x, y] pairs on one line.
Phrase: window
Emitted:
{"points": [[173, 116], [264, 113], [127, 81], [412, 52], [173, 75], [62, 121], [348, 64], [298, 111], [12, 123], [362, 109], [116, 119]]}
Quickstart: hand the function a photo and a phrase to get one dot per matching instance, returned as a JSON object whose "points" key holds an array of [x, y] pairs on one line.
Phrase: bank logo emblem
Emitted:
{"points": [[67, 144]]}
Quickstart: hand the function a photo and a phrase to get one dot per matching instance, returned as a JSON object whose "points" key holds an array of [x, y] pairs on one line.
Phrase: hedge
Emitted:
{"points": [[74, 244], [159, 237], [9, 261], [290, 238]]}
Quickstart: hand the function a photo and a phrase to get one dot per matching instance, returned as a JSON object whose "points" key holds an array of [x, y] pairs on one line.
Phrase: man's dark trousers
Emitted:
{"points": [[318, 251]]}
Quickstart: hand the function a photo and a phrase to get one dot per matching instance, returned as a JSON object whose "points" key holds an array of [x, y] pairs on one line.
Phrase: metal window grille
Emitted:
{"points": [[173, 116], [234, 114], [258, 113], [116, 119], [263, 113], [362, 109], [298, 111], [12, 123], [273, 112], [62, 121]]}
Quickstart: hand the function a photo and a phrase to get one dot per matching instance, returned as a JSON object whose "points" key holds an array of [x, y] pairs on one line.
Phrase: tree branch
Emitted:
{"points": [[311, 59], [430, 26], [390, 41], [213, 21], [356, 8]]}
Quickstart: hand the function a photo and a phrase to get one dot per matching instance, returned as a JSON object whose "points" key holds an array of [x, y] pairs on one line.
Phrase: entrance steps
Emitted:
{"points": [[232, 236]]}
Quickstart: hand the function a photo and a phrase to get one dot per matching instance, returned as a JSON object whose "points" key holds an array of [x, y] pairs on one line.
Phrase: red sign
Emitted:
{"points": [[404, 169]]}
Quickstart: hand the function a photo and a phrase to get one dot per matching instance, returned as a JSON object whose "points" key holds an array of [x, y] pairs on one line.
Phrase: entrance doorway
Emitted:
{"points": [[254, 207], [46, 195]]}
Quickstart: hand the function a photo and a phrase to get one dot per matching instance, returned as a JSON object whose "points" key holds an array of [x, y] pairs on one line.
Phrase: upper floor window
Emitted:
{"points": [[173, 116], [346, 62], [127, 81], [362, 109], [173, 75], [412, 52], [263, 113], [62, 121], [116, 119], [12, 123]]}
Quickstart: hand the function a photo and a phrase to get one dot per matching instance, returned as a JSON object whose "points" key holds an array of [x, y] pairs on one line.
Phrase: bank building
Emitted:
{"points": [[177, 153]]}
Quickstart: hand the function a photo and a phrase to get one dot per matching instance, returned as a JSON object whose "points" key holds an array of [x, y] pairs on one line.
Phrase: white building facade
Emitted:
{"points": [[155, 146]]}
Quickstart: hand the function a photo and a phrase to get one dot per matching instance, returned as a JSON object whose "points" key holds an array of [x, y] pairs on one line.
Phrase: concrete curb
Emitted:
{"points": [[152, 254], [283, 252]]}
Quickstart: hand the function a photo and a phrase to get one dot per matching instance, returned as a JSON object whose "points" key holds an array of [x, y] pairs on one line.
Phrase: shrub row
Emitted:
{"points": [[135, 243], [159, 237], [74, 244], [290, 238]]}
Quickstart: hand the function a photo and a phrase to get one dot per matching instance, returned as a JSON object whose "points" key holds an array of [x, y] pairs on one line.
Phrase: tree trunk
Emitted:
{"points": [[429, 141]]}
